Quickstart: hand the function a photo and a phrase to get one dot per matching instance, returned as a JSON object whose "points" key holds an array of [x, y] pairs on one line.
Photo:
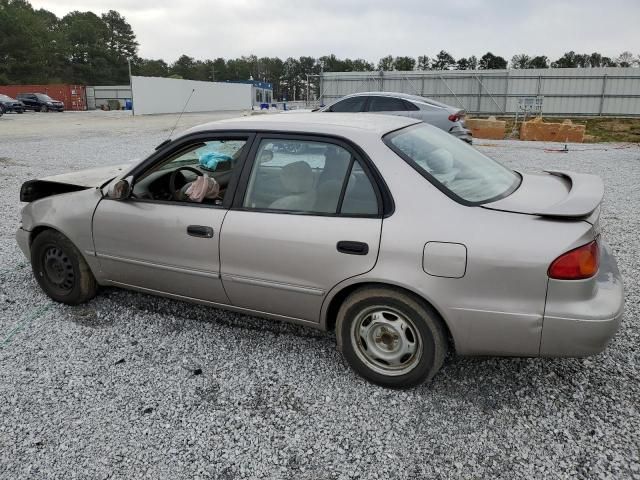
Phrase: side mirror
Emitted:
{"points": [[122, 189]]}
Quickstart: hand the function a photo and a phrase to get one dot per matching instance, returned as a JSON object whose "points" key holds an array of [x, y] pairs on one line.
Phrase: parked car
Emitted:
{"points": [[40, 102], [448, 118], [403, 239], [8, 104]]}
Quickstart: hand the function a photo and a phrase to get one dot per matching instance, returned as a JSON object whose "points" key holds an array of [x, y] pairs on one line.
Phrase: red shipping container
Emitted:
{"points": [[74, 97]]}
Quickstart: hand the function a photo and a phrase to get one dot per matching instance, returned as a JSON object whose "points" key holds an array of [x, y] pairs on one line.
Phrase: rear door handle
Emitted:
{"points": [[352, 248], [200, 231]]}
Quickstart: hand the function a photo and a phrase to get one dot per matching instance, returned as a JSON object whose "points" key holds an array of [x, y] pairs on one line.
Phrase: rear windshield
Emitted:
{"points": [[451, 165]]}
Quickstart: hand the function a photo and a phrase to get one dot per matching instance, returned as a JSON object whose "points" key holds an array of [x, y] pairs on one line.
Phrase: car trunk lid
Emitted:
{"points": [[556, 193]]}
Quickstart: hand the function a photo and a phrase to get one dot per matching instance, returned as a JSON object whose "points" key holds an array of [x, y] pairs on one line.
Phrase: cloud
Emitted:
{"points": [[371, 29]]}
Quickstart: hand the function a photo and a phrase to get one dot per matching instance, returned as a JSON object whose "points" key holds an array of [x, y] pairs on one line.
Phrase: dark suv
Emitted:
{"points": [[8, 104], [40, 102]]}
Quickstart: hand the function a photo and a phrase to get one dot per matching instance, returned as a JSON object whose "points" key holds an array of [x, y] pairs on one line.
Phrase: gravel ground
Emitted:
{"points": [[133, 386]]}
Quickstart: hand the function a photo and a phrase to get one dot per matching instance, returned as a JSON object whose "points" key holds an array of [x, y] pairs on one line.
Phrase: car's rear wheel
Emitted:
{"points": [[390, 337], [60, 269]]}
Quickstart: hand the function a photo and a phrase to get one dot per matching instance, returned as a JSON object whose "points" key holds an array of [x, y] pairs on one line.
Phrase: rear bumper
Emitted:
{"points": [[22, 237], [581, 317], [462, 133]]}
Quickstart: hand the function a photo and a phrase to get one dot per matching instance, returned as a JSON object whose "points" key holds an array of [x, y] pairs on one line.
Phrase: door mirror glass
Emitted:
{"points": [[121, 190]]}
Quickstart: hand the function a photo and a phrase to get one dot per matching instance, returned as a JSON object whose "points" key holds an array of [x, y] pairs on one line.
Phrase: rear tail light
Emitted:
{"points": [[576, 264], [454, 117]]}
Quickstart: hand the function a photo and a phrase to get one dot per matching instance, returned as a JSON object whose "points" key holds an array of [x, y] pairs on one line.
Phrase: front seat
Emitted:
{"points": [[297, 181]]}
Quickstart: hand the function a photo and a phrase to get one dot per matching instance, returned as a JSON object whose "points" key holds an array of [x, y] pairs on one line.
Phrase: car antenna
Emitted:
{"points": [[178, 120]]}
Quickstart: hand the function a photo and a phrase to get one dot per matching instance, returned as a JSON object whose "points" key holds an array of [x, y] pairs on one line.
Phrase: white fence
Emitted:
{"points": [[168, 95], [565, 91]]}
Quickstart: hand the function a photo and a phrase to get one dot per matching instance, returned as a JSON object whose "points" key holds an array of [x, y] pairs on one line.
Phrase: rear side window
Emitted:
{"points": [[351, 105], [304, 176], [387, 104], [410, 106], [451, 165]]}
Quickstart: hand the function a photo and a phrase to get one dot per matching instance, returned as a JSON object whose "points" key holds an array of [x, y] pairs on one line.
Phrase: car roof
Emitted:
{"points": [[406, 96], [312, 122]]}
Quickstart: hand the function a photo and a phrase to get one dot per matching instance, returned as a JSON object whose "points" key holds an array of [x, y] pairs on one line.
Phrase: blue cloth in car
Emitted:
{"points": [[210, 160]]}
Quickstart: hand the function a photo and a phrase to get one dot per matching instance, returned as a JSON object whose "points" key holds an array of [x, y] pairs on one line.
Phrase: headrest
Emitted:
{"points": [[440, 161], [297, 177]]}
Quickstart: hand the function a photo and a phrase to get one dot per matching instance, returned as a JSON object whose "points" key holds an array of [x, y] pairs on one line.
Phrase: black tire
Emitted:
{"points": [[44, 108], [424, 332], [60, 269]]}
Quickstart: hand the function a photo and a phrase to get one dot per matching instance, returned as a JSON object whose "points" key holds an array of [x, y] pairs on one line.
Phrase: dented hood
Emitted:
{"points": [[91, 177], [70, 182], [556, 193]]}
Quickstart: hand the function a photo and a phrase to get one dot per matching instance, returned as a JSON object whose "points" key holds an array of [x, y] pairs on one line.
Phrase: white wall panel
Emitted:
{"points": [[169, 95]]}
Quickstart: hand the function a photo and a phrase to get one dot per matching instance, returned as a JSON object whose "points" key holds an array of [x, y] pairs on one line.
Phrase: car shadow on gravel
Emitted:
{"points": [[488, 383]]}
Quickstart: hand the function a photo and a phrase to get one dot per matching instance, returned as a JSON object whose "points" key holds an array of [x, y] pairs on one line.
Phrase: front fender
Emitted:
{"points": [[71, 214]]}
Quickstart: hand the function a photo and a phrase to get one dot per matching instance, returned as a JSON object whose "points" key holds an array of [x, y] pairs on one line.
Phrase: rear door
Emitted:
{"points": [[349, 105], [307, 215], [391, 106]]}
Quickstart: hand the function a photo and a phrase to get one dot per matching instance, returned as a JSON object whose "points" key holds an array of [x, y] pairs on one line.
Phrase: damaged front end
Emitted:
{"points": [[33, 190]]}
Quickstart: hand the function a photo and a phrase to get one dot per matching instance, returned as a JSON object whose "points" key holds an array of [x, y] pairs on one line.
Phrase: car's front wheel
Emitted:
{"points": [[390, 337], [60, 269], [44, 108]]}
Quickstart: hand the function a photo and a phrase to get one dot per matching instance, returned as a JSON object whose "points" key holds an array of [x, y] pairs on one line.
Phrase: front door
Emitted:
{"points": [[307, 216], [162, 239]]}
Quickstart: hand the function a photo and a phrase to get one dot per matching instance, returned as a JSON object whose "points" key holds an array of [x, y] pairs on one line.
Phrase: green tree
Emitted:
{"points": [[386, 63], [520, 61], [184, 66], [424, 63], [150, 68], [568, 60], [84, 42], [443, 61], [539, 61], [626, 59], [489, 61], [404, 64], [120, 40]]}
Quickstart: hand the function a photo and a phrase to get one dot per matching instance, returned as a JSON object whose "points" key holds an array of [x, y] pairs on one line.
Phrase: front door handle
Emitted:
{"points": [[200, 231], [352, 248]]}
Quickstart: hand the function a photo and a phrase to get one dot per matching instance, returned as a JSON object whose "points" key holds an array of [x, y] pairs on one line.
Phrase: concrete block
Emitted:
{"points": [[486, 127], [538, 130]]}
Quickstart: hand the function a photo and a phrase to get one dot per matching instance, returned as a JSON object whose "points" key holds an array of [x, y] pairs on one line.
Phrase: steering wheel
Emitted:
{"points": [[174, 174]]}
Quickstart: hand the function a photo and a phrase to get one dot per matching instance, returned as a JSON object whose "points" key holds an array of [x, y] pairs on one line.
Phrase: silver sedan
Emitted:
{"points": [[447, 118], [405, 241]]}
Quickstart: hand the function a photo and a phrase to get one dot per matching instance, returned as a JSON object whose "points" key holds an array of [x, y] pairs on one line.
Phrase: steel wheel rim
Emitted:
{"points": [[386, 341], [57, 269]]}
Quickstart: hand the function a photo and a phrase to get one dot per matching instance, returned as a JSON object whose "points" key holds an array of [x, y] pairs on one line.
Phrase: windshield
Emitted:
{"points": [[43, 97], [451, 165]]}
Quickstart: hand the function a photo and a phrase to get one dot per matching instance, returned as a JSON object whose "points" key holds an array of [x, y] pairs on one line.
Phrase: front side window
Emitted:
{"points": [[350, 105], [44, 98], [198, 173], [452, 165], [309, 177], [386, 104]]}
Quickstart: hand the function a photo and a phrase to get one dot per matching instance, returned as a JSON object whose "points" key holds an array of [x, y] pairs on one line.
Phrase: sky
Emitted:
{"points": [[371, 29]]}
